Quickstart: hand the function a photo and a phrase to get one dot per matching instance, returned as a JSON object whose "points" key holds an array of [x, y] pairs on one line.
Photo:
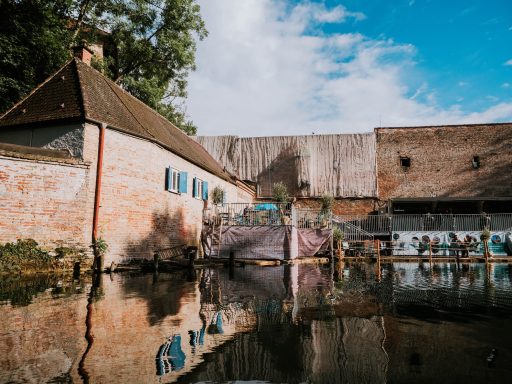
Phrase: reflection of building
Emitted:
{"points": [[286, 324]]}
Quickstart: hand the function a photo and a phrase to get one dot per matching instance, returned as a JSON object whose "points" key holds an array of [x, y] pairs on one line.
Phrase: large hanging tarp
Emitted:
{"points": [[341, 165]]}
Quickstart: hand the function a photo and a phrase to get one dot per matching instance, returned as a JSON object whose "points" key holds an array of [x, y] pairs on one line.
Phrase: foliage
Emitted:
{"points": [[150, 46], [24, 254], [485, 235], [34, 44], [326, 202], [217, 195], [99, 247], [337, 234], [280, 192]]}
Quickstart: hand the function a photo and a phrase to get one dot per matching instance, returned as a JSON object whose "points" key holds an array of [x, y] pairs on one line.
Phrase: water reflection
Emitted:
{"points": [[302, 323]]}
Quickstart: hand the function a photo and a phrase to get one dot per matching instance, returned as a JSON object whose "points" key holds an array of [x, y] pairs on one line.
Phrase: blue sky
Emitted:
{"points": [[275, 67]]}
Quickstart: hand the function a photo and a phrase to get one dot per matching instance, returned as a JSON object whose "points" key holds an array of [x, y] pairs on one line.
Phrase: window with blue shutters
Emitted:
{"points": [[200, 189], [182, 182], [205, 190], [175, 181]]}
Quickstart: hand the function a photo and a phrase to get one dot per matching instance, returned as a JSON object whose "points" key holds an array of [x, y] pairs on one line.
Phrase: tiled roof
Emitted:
{"points": [[77, 92]]}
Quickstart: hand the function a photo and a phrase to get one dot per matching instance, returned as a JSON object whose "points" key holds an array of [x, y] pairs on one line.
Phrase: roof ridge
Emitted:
{"points": [[36, 88], [109, 81]]}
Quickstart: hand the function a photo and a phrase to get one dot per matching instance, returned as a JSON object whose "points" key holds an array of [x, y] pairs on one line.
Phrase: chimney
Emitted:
{"points": [[83, 53]]}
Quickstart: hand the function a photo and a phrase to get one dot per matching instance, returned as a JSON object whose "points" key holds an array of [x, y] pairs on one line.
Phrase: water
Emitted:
{"points": [[287, 324]]}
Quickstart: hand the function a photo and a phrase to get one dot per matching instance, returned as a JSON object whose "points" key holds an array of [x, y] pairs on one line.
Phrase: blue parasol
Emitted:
{"points": [[266, 207]]}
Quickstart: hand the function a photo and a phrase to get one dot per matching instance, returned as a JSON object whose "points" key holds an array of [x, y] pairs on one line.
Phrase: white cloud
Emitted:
{"points": [[267, 69], [462, 83], [508, 62], [505, 85]]}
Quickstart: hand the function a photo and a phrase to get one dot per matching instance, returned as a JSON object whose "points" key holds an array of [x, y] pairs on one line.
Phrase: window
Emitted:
{"points": [[405, 162], [476, 162], [176, 181], [200, 189]]}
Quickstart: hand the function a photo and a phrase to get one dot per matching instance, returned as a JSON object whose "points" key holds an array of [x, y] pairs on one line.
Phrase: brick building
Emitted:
{"points": [[445, 169], [147, 191], [437, 169]]}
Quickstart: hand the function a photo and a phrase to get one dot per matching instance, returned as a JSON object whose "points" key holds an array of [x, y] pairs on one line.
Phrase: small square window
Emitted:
{"points": [[405, 162], [476, 162]]}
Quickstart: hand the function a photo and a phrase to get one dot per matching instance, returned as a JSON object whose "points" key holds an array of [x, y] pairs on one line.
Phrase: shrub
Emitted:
{"points": [[217, 195], [337, 234], [326, 201], [280, 192], [24, 254]]}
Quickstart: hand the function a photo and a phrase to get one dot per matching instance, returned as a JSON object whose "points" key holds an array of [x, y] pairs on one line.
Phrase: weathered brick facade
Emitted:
{"points": [[137, 214], [342, 206], [44, 199], [52, 200], [441, 161]]}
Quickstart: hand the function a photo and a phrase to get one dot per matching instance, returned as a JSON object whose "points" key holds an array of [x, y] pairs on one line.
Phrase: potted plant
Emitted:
{"points": [[338, 236], [485, 236], [99, 248]]}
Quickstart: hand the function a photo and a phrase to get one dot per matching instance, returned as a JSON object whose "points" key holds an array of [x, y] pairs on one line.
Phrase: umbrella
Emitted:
{"points": [[266, 207]]}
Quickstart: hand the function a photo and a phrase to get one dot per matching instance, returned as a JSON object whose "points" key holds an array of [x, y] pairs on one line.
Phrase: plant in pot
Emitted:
{"points": [[99, 248], [280, 192], [326, 201], [338, 236], [217, 199], [484, 237]]}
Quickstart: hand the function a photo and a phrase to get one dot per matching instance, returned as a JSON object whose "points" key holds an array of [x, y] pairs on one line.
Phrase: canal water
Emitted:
{"points": [[410, 323]]}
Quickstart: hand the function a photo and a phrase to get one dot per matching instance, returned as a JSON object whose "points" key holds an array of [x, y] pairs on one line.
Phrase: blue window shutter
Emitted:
{"points": [[183, 182], [224, 197], [194, 187], [205, 190], [168, 177]]}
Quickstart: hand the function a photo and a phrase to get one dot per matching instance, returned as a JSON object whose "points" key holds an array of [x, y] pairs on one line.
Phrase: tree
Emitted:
{"points": [[154, 43], [33, 44]]}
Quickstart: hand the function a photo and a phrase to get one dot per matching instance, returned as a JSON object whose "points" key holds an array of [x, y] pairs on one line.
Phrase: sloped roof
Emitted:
{"points": [[77, 92]]}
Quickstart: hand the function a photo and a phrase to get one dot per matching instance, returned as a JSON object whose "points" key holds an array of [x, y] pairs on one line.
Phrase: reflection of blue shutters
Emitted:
{"points": [[205, 190], [194, 187], [224, 197], [168, 178], [183, 182]]}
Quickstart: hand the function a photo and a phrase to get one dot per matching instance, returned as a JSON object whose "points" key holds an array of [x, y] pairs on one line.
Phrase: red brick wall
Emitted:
{"points": [[53, 201], [441, 161], [342, 206], [137, 214], [43, 200]]}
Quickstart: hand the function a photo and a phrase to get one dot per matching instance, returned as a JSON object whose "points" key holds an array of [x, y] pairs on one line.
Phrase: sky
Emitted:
{"points": [[285, 67]]}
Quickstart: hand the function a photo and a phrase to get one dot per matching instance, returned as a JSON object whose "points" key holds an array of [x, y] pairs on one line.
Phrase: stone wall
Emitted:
{"points": [[441, 161], [68, 136]]}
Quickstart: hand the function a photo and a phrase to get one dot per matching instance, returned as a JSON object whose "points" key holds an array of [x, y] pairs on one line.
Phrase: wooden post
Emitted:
{"points": [[430, 253], [378, 260], [231, 259], [156, 258]]}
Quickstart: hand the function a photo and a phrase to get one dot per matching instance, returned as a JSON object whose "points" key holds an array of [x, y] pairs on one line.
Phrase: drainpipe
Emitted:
{"points": [[98, 259]]}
